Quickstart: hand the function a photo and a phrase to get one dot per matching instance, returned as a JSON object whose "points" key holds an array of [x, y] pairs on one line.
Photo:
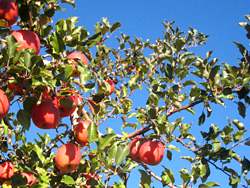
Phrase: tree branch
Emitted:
{"points": [[183, 108]]}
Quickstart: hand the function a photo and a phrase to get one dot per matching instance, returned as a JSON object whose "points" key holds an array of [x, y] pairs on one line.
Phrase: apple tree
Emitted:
{"points": [[60, 80]]}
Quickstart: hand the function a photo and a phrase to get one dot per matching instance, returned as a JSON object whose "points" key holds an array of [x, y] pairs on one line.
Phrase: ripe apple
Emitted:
{"points": [[112, 87], [81, 131], [30, 178], [46, 115], [135, 146], [77, 56], [66, 110], [6, 170], [68, 157], [8, 12], [151, 152], [27, 39], [4, 104], [46, 91]]}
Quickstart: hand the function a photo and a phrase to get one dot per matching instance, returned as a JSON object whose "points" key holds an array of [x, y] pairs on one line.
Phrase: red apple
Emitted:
{"points": [[77, 56], [46, 91], [30, 178], [46, 115], [27, 39], [151, 152], [68, 157], [4, 104], [8, 12], [6, 170], [66, 110], [112, 87], [81, 132], [135, 147]]}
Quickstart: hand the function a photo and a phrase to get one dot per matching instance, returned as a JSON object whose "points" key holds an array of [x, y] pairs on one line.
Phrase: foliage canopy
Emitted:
{"points": [[172, 77]]}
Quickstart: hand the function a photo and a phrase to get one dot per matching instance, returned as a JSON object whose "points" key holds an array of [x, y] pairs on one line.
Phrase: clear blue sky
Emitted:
{"points": [[219, 18]]}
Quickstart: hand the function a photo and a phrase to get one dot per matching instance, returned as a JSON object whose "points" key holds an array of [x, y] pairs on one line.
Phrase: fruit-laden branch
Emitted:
{"points": [[183, 108]]}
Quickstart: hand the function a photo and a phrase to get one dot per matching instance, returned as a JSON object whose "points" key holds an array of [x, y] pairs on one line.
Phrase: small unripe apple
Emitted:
{"points": [[4, 104], [46, 115], [29, 177], [8, 12], [27, 39], [134, 148], [6, 170], [76, 56], [81, 132], [151, 152], [66, 110], [112, 87], [68, 157]]}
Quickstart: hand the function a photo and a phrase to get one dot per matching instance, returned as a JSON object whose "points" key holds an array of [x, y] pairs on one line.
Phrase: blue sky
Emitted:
{"points": [[144, 19]]}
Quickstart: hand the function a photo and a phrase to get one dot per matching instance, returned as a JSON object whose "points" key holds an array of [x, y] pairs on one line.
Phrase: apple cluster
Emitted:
{"points": [[7, 170], [47, 112], [146, 151]]}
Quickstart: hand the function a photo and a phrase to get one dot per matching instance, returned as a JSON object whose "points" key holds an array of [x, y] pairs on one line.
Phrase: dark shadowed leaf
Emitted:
{"points": [[24, 118], [242, 109], [201, 119]]}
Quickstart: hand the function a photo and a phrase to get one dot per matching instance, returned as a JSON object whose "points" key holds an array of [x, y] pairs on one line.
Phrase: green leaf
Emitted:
{"points": [[245, 166], [167, 177], [132, 83], [12, 45], [130, 165], [113, 151], [71, 2], [57, 43], [209, 184], [169, 155], [115, 26], [179, 44], [189, 82], [201, 119], [68, 180], [122, 151], [84, 74], [24, 118], [105, 140], [68, 70], [242, 49], [39, 152], [242, 109], [67, 103], [145, 178], [173, 147], [191, 110], [92, 132], [213, 72]]}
